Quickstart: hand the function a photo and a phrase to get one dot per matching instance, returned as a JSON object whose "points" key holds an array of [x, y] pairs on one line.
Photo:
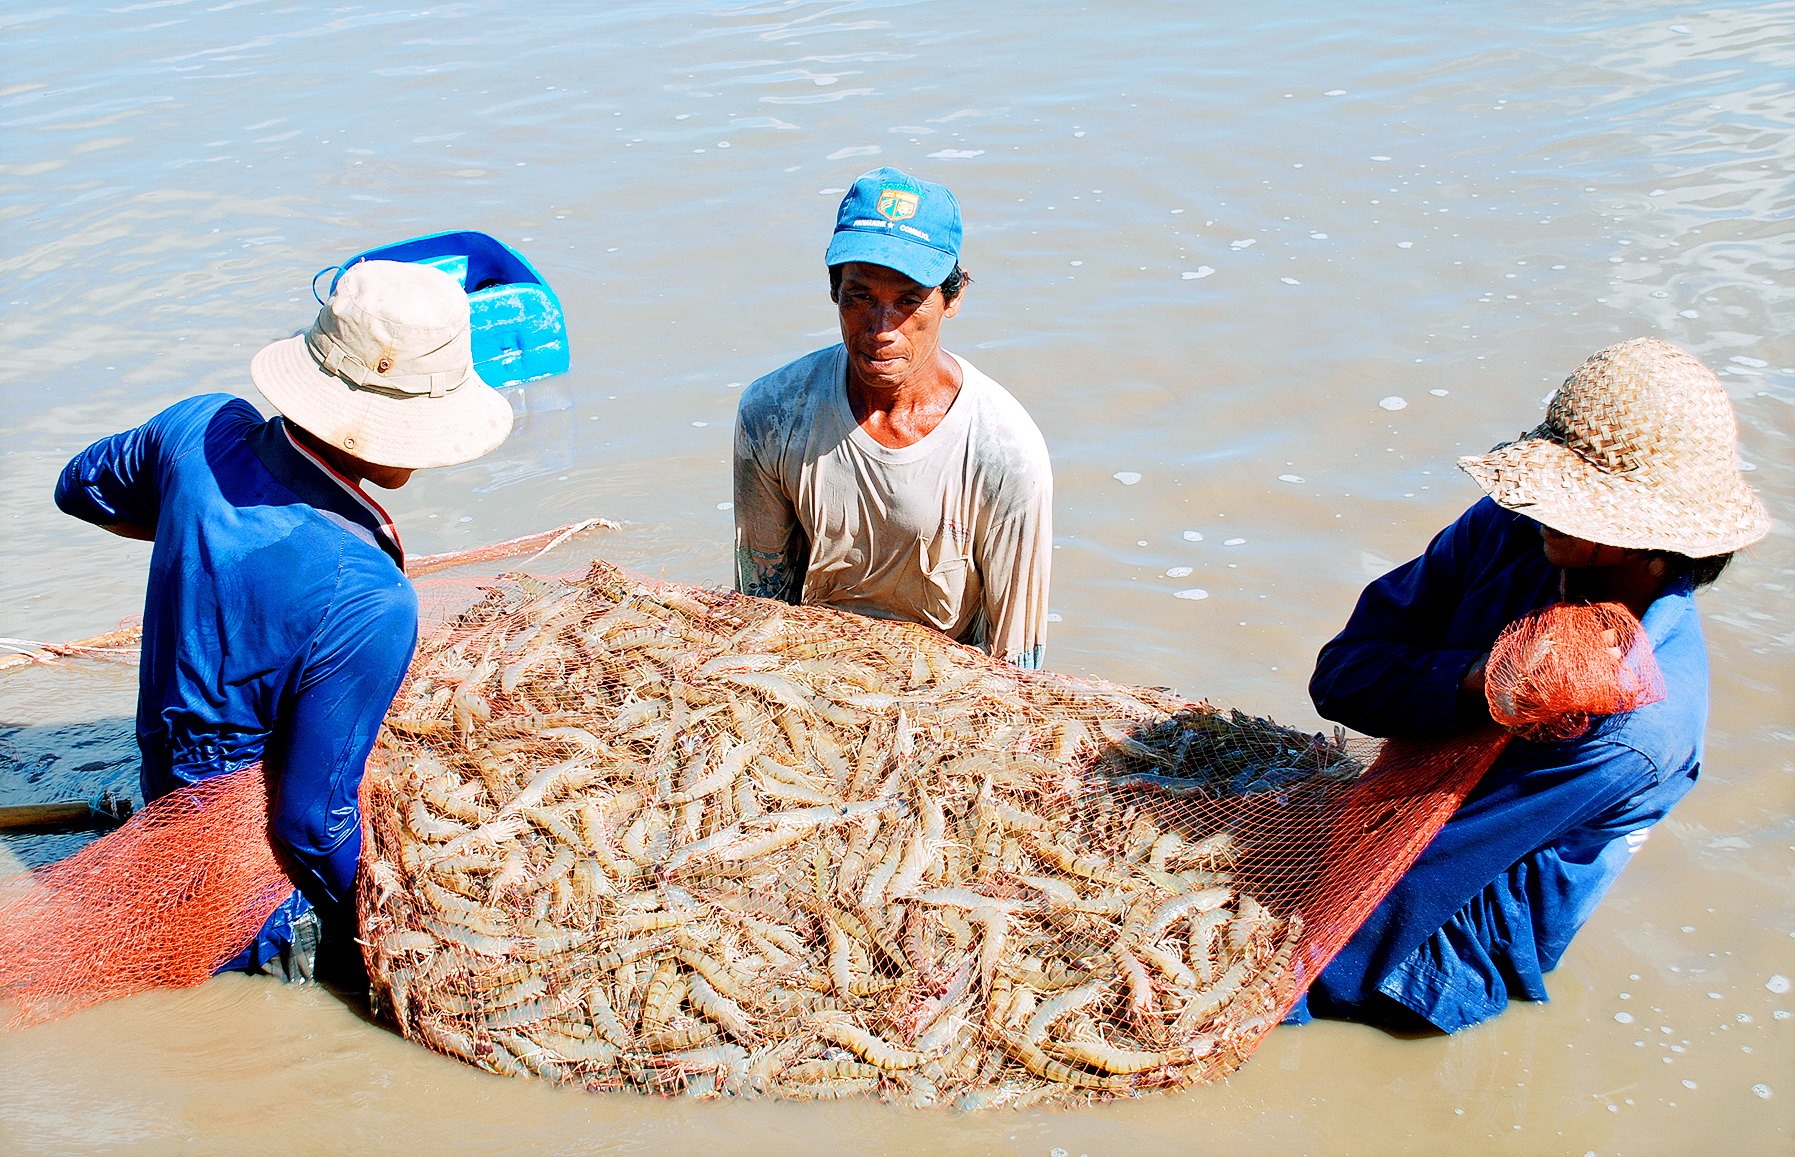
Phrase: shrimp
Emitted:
{"points": [[1113, 1059], [874, 1050]]}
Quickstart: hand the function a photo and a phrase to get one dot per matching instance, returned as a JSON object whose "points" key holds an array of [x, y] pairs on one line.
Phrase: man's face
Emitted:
{"points": [[1570, 553], [890, 324]]}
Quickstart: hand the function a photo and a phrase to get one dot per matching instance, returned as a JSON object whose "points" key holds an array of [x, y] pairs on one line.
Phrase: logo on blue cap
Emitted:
{"points": [[897, 204], [892, 219]]}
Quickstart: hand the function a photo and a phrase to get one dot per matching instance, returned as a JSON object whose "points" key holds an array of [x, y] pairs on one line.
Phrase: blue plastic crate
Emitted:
{"points": [[519, 333]]}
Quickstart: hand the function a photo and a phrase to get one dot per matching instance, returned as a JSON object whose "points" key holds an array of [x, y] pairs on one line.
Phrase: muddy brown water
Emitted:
{"points": [[1259, 274]]}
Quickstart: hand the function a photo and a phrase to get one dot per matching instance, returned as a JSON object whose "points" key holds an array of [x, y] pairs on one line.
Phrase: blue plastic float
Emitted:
{"points": [[519, 333]]}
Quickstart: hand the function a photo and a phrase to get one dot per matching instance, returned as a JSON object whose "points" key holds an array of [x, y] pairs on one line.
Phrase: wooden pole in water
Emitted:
{"points": [[74, 815]]}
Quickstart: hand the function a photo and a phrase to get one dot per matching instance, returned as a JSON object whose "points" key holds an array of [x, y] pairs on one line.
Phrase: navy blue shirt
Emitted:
{"points": [[1493, 901], [278, 621]]}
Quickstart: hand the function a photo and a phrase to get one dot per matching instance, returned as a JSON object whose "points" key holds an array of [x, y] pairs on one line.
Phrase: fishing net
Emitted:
{"points": [[185, 884], [624, 833], [177, 891], [1555, 671]]}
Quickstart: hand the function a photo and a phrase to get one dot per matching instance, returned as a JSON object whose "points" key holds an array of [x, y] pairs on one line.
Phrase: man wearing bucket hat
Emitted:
{"points": [[884, 475], [1630, 493], [278, 620]]}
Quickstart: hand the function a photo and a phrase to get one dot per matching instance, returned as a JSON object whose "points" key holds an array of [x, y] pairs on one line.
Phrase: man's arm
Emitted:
{"points": [[771, 549], [323, 742], [113, 484], [1384, 673], [1015, 560]]}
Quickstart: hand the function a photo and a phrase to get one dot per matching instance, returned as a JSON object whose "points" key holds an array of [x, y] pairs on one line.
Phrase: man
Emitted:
{"points": [[278, 621], [885, 475], [1629, 493]]}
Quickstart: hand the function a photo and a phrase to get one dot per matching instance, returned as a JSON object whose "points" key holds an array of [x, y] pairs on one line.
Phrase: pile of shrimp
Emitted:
{"points": [[627, 834]]}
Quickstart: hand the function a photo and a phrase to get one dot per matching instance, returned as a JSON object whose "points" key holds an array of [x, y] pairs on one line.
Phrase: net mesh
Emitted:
{"points": [[625, 833], [628, 833], [177, 891], [1555, 671]]}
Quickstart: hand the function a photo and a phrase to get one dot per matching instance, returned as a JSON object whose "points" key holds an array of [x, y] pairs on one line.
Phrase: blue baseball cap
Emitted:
{"points": [[892, 219]]}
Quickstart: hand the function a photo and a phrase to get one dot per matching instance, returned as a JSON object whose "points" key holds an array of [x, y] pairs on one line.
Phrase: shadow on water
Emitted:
{"points": [[57, 762]]}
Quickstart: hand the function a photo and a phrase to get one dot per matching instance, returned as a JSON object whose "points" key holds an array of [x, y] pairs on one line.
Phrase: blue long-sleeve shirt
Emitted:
{"points": [[1493, 901], [278, 621]]}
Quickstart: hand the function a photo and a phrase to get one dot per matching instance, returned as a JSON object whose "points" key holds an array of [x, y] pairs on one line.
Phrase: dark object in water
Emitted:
{"points": [[109, 811]]}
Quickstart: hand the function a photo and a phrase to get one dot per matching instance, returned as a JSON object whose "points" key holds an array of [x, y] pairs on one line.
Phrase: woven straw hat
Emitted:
{"points": [[387, 371], [1639, 449]]}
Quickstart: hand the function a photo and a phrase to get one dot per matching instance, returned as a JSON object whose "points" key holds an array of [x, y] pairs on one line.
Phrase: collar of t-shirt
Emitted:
{"points": [[313, 482], [948, 432]]}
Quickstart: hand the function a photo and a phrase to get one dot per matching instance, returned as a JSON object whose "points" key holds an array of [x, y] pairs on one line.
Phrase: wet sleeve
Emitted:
{"points": [[1386, 672], [1014, 559], [118, 480], [771, 549], [114, 481], [357, 663]]}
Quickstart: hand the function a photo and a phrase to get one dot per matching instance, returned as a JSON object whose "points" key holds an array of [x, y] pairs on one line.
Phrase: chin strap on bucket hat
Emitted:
{"points": [[1639, 449], [387, 371]]}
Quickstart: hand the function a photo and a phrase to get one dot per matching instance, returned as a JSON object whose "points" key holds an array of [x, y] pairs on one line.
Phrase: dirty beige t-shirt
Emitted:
{"points": [[954, 531]]}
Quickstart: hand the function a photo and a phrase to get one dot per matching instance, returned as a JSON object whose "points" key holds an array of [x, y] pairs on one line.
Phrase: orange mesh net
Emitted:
{"points": [[622, 833], [177, 891], [1554, 671], [632, 834]]}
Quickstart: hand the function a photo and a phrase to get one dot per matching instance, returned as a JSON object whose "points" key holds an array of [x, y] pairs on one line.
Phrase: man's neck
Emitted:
{"points": [[903, 415]]}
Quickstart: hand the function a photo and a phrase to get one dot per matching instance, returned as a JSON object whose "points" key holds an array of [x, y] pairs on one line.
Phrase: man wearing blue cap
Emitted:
{"points": [[884, 475]]}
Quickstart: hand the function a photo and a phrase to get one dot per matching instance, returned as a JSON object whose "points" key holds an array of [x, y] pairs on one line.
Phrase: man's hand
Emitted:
{"points": [[1471, 687], [127, 530]]}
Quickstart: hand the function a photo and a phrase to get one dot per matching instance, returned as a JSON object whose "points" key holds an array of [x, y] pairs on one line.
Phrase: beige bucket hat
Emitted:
{"points": [[387, 371], [1639, 449]]}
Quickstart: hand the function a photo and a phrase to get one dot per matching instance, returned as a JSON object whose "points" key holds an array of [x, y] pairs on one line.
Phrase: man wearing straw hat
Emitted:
{"points": [[278, 621], [884, 475], [1628, 493]]}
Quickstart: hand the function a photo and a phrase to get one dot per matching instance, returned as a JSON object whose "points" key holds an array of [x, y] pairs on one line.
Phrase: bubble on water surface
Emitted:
{"points": [[1439, 393], [1291, 478], [854, 151], [1199, 271], [1318, 236], [1392, 403], [957, 154], [1623, 1018], [1244, 243], [1126, 477], [1235, 542], [1193, 594], [1778, 984], [1762, 1090], [1405, 245], [1754, 363], [1380, 158], [1687, 313], [1289, 281], [1193, 536], [1178, 572], [725, 506]]}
